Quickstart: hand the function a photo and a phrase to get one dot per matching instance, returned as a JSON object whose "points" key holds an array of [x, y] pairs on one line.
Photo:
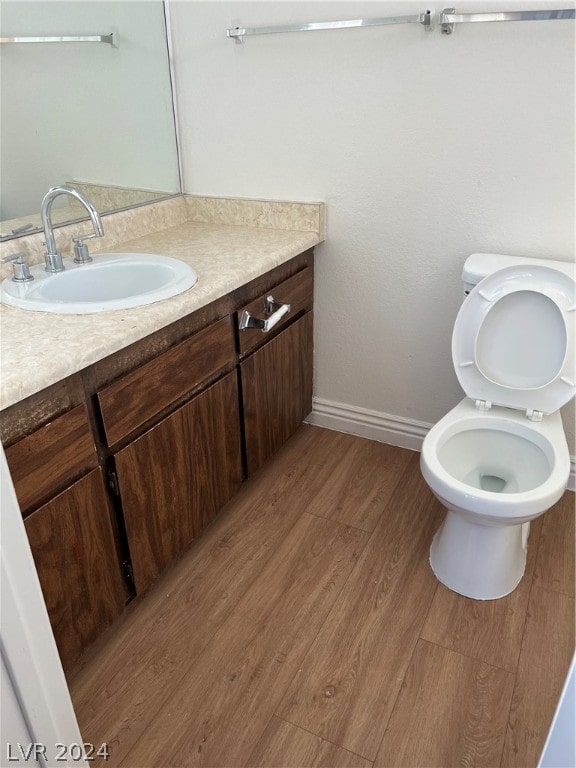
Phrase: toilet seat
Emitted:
{"points": [[514, 337]]}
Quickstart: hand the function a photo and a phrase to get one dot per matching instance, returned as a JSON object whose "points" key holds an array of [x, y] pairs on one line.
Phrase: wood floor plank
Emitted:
{"points": [[347, 685], [547, 649], [358, 478], [488, 630], [230, 691], [133, 668], [555, 563], [284, 745], [451, 711]]}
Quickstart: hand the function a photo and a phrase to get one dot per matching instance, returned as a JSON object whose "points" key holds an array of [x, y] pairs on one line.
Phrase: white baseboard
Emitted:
{"points": [[375, 425], [383, 427]]}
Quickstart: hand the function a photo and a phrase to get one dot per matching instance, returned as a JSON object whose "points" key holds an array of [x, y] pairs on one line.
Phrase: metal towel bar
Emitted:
{"points": [[449, 17], [110, 39], [238, 33]]}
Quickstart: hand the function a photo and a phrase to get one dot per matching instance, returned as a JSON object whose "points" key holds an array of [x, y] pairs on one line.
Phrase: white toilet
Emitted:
{"points": [[500, 458]]}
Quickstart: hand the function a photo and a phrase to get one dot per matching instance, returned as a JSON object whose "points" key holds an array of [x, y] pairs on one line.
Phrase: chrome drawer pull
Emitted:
{"points": [[278, 311]]}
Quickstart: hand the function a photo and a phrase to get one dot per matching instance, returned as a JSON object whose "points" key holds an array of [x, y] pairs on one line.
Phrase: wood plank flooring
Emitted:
{"points": [[305, 629], [473, 703]]}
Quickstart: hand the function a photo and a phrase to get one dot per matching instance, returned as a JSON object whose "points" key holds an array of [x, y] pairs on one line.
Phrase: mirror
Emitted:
{"points": [[97, 116]]}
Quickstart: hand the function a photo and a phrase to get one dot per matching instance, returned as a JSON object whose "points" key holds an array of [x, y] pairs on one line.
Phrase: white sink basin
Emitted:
{"points": [[111, 281]]}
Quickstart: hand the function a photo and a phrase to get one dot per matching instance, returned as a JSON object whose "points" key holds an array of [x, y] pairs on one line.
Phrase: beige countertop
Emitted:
{"points": [[39, 348]]}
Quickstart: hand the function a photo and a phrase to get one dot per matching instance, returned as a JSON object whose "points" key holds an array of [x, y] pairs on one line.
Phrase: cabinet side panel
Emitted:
{"points": [[175, 478], [277, 390], [73, 548]]}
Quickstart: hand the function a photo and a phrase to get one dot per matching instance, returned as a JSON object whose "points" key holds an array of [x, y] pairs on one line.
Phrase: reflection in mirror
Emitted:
{"points": [[92, 115]]}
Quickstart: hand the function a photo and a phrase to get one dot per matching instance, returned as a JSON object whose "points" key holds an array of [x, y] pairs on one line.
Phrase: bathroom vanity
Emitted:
{"points": [[119, 466]]}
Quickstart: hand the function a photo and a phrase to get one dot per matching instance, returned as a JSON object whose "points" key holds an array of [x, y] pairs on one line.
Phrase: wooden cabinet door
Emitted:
{"points": [[176, 477], [277, 391], [73, 548]]}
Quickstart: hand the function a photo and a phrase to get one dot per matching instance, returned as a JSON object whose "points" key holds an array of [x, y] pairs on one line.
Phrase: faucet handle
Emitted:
{"points": [[85, 237], [81, 255], [21, 268]]}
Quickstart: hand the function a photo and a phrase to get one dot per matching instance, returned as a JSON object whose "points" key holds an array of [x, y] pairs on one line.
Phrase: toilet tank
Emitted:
{"points": [[479, 265]]}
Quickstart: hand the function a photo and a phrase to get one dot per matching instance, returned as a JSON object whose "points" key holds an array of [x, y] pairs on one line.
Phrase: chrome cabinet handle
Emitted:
{"points": [[278, 312]]}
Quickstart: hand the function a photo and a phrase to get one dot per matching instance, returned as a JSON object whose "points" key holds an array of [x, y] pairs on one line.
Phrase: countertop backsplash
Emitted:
{"points": [[130, 224]]}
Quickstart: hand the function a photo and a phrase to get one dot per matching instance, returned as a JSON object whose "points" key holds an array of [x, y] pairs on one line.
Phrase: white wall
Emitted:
{"points": [[13, 727], [560, 748], [35, 703], [425, 148]]}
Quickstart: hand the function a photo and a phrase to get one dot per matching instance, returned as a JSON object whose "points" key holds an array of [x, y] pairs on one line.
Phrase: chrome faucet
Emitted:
{"points": [[53, 258]]}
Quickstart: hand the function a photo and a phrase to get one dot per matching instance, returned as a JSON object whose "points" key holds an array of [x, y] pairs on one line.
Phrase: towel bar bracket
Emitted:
{"points": [[446, 26]]}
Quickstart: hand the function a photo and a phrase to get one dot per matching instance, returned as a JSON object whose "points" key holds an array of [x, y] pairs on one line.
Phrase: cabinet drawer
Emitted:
{"points": [[51, 458], [132, 400], [297, 291]]}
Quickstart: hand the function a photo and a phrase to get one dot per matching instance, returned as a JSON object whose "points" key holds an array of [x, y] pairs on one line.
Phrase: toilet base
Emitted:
{"points": [[479, 561]]}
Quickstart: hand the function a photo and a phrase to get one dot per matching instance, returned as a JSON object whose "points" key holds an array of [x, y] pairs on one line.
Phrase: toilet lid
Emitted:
{"points": [[514, 337]]}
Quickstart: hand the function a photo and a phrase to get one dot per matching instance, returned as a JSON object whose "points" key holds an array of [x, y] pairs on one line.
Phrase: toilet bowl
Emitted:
{"points": [[494, 472], [500, 458]]}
